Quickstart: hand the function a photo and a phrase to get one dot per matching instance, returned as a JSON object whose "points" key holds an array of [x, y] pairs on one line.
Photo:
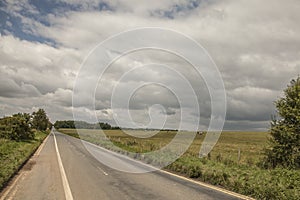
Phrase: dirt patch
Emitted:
{"points": [[28, 166]]}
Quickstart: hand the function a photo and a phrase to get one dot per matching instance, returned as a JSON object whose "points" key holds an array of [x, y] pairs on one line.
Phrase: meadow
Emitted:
{"points": [[234, 163], [236, 147]]}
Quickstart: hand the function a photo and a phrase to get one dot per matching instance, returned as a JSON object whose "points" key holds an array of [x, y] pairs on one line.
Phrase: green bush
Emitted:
{"points": [[16, 127]]}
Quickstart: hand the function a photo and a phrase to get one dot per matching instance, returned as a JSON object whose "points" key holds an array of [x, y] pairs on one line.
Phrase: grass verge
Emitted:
{"points": [[13, 154], [233, 164]]}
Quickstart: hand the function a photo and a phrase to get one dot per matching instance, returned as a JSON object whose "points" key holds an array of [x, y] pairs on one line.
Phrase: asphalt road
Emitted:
{"points": [[63, 169]]}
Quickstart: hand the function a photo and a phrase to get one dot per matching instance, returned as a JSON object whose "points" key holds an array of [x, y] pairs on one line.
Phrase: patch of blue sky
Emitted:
{"points": [[177, 9], [61, 7], [10, 24]]}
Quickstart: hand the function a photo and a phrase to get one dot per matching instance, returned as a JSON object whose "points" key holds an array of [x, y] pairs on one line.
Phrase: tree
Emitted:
{"points": [[16, 127], [64, 124], [284, 149], [40, 120], [82, 125], [104, 125], [50, 125]]}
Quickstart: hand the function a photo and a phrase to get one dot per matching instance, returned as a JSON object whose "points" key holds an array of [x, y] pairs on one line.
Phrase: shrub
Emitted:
{"points": [[16, 127]]}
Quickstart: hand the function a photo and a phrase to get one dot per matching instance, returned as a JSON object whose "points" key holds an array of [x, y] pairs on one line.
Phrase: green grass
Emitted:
{"points": [[248, 180], [14, 154], [223, 167], [250, 144]]}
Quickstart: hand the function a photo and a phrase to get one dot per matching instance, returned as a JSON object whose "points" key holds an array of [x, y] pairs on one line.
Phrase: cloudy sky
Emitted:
{"points": [[43, 44]]}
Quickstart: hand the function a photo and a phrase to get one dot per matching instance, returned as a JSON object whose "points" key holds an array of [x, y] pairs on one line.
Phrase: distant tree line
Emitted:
{"points": [[82, 125], [21, 126]]}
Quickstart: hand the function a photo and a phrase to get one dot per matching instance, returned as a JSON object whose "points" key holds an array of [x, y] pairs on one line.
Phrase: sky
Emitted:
{"points": [[43, 45]]}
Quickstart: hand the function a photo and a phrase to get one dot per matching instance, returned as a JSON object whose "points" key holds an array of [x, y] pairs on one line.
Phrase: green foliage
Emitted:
{"points": [[50, 125], [284, 147], [14, 153], [16, 127], [18, 141], [82, 125], [252, 181], [104, 125], [221, 168], [19, 126], [64, 124], [40, 120]]}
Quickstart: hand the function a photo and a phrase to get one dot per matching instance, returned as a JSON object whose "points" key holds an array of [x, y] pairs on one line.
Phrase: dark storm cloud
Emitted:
{"points": [[9, 88]]}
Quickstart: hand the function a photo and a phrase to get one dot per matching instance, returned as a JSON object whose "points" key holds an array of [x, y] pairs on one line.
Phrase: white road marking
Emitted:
{"points": [[13, 193], [68, 193], [12, 189], [41, 147], [171, 174], [4, 196], [209, 186], [102, 171]]}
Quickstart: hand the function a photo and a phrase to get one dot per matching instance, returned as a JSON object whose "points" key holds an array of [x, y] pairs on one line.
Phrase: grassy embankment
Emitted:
{"points": [[225, 167], [13, 154]]}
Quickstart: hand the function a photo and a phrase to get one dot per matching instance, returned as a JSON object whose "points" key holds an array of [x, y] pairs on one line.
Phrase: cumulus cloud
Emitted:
{"points": [[45, 67], [9, 88], [255, 45]]}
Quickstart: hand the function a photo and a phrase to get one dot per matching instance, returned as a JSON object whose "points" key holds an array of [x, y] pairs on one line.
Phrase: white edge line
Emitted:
{"points": [[11, 187], [102, 171], [68, 193], [172, 174], [15, 181], [42, 146], [210, 186], [169, 173]]}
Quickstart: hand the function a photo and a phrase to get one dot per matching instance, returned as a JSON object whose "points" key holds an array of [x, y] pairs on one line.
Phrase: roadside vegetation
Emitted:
{"points": [[284, 148], [262, 165], [235, 163], [20, 135]]}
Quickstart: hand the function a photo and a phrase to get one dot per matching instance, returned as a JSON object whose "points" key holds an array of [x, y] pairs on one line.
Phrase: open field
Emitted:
{"points": [[224, 167], [13, 154], [250, 144]]}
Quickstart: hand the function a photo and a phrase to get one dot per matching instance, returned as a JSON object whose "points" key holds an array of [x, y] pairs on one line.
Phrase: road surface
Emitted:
{"points": [[63, 169]]}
